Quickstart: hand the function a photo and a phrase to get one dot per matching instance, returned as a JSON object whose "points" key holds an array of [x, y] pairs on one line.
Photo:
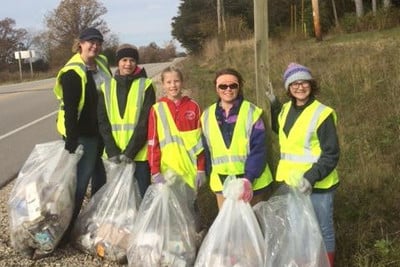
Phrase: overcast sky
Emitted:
{"points": [[138, 22]]}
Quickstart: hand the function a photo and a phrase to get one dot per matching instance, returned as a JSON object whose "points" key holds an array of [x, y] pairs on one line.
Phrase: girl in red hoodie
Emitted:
{"points": [[182, 118]]}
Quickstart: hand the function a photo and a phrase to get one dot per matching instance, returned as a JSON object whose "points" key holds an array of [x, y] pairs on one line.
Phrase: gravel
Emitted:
{"points": [[68, 256]]}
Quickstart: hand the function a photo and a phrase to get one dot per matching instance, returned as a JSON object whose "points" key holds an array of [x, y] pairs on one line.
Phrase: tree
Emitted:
{"points": [[195, 24], [359, 8], [198, 20], [66, 22], [221, 24], [387, 3], [11, 40]]}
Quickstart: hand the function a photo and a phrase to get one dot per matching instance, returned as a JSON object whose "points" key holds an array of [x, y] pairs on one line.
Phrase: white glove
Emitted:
{"points": [[305, 187], [270, 93]]}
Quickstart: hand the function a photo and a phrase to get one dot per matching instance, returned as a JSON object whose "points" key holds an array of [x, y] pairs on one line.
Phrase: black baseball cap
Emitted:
{"points": [[91, 34]]}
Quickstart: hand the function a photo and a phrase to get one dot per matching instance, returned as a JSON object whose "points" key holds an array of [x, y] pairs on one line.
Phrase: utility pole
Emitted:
{"points": [[261, 50], [317, 26], [262, 75]]}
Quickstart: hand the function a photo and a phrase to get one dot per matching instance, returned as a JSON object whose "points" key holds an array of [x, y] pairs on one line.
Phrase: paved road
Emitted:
{"points": [[27, 117]]}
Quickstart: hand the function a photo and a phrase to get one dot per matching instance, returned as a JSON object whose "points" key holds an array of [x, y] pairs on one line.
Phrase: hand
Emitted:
{"points": [[123, 158], [200, 179], [270, 93], [77, 154], [305, 187], [79, 150], [115, 160], [158, 178], [247, 194]]}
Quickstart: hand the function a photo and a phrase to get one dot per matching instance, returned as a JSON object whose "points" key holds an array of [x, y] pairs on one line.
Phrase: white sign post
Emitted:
{"points": [[23, 55]]}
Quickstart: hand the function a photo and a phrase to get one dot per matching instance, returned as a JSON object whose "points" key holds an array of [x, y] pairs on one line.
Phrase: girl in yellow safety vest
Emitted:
{"points": [[174, 138], [123, 110], [235, 140], [309, 146]]}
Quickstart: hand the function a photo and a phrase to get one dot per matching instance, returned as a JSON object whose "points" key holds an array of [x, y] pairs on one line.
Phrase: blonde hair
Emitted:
{"points": [[172, 69], [76, 46]]}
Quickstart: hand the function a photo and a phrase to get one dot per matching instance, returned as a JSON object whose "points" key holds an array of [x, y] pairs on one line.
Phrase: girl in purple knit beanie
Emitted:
{"points": [[309, 146]]}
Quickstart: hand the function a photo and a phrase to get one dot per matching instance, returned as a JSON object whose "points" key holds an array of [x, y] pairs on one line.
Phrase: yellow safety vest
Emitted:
{"points": [[301, 148], [124, 127], [179, 149], [76, 64], [231, 161]]}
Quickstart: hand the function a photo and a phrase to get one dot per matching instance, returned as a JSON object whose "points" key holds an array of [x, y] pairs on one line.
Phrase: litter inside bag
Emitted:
{"points": [[235, 237], [42, 200], [104, 226], [164, 231], [291, 231]]}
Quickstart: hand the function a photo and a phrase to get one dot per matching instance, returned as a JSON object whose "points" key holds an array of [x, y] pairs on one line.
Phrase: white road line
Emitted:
{"points": [[27, 125]]}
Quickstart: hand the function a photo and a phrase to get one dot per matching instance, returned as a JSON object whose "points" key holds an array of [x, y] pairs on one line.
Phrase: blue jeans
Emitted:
{"points": [[89, 166], [323, 206], [142, 174]]}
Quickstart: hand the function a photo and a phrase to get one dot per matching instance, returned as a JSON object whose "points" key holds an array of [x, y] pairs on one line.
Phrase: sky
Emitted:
{"points": [[138, 22]]}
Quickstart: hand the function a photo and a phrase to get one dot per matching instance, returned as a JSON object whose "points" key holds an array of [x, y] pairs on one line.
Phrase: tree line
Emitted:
{"points": [[62, 26], [193, 26], [197, 20]]}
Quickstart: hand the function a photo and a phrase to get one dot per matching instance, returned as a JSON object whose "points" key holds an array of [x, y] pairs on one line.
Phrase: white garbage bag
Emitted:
{"points": [[235, 238], [291, 230], [164, 231], [42, 200], [104, 226]]}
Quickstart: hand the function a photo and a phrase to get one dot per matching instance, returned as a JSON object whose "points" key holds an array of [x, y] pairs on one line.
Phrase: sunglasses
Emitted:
{"points": [[232, 86]]}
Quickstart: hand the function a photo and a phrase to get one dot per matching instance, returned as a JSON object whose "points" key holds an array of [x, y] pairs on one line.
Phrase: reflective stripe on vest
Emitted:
{"points": [[231, 161], [179, 149], [301, 148], [123, 127]]}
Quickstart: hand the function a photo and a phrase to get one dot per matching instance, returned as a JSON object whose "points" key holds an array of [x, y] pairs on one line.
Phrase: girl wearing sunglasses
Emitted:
{"points": [[234, 140]]}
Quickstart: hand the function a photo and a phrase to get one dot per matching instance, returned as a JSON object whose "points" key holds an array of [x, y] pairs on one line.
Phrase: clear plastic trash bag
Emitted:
{"points": [[42, 200], [104, 226], [235, 238], [291, 230], [164, 231]]}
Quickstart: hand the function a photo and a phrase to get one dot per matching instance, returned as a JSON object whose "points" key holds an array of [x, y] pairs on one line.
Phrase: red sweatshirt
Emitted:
{"points": [[186, 114]]}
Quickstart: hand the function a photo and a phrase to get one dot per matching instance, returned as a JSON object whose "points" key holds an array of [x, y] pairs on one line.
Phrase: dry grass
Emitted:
{"points": [[359, 76]]}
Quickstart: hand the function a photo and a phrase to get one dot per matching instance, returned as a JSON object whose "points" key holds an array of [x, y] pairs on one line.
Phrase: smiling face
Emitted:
{"points": [[90, 49], [172, 85], [126, 65], [227, 88], [301, 91]]}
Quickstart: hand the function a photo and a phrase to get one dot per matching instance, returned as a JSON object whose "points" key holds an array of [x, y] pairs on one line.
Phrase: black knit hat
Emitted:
{"points": [[91, 34], [127, 51]]}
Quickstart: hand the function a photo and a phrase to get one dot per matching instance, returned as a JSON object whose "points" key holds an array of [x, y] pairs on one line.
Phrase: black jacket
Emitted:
{"points": [[139, 138], [87, 124]]}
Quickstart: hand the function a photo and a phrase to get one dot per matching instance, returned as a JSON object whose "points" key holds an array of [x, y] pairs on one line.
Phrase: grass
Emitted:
{"points": [[359, 76]]}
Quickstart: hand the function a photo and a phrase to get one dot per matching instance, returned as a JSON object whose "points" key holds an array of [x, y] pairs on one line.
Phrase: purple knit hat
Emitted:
{"points": [[296, 72]]}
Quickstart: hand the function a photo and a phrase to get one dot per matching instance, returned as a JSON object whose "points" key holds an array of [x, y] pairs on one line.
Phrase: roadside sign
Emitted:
{"points": [[24, 54]]}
